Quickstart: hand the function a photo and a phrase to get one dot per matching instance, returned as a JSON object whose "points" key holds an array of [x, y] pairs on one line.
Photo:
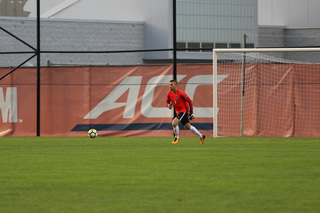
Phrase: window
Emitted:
{"points": [[207, 46], [235, 45], [193, 45], [221, 45], [181, 45], [250, 45]]}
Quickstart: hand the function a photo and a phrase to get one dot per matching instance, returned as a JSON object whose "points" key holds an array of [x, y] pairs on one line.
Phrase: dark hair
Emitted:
{"points": [[174, 80]]}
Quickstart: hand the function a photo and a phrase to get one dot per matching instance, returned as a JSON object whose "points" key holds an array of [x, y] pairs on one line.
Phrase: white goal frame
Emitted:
{"points": [[243, 50]]}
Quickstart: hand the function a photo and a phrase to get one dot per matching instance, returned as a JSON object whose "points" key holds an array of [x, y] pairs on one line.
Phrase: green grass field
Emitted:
{"points": [[229, 174]]}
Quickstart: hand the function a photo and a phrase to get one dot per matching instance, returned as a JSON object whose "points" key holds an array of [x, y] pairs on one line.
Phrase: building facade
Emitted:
{"points": [[72, 35], [107, 25]]}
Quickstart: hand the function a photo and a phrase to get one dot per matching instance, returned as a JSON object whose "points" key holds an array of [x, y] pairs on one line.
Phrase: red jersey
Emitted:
{"points": [[180, 101]]}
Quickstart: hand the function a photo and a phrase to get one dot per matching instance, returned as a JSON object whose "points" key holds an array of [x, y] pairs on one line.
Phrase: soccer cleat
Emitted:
{"points": [[202, 139], [175, 141]]}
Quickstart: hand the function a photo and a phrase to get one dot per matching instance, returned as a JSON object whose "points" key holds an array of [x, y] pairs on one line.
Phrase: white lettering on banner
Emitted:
{"points": [[133, 83], [192, 84], [9, 105], [146, 106]]}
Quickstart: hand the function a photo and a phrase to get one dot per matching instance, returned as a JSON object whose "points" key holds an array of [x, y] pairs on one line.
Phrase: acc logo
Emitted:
{"points": [[9, 104], [133, 83]]}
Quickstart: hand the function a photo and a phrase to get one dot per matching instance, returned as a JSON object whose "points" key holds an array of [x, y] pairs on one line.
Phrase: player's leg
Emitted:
{"points": [[194, 130], [175, 126]]}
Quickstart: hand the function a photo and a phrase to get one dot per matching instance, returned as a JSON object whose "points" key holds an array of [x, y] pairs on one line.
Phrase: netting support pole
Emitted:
{"points": [[174, 43], [244, 41], [38, 52], [215, 94], [174, 39]]}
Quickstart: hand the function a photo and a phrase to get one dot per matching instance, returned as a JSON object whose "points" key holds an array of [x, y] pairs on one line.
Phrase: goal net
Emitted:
{"points": [[266, 92]]}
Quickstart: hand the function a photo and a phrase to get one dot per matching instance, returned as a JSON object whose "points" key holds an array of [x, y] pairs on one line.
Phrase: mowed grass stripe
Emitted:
{"points": [[232, 174]]}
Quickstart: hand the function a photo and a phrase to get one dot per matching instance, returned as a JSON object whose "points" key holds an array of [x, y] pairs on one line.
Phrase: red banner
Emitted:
{"points": [[130, 101]]}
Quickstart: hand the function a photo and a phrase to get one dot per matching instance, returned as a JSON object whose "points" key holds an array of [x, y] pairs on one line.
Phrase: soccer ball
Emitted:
{"points": [[92, 133]]}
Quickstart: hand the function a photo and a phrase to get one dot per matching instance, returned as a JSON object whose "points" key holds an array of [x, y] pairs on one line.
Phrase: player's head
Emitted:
{"points": [[173, 85]]}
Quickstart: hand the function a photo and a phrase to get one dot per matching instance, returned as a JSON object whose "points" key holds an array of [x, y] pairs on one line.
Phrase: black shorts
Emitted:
{"points": [[183, 117]]}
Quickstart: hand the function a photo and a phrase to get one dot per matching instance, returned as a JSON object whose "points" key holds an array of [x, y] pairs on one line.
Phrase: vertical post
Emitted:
{"points": [[174, 34], [215, 94], [244, 41], [38, 67], [174, 41]]}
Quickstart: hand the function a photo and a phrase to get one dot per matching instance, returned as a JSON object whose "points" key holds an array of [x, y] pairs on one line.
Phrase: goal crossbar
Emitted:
{"points": [[252, 50]]}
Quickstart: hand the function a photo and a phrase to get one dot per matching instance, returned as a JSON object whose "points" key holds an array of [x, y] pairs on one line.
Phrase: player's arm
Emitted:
{"points": [[188, 99], [168, 102]]}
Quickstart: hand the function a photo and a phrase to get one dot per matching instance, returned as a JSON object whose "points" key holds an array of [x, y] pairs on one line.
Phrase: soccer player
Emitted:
{"points": [[183, 106]]}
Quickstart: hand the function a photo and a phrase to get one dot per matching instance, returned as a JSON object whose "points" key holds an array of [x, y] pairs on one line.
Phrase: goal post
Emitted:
{"points": [[266, 92]]}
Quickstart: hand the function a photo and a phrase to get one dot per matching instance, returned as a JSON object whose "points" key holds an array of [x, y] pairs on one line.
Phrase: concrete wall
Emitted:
{"points": [[155, 14], [13, 8], [73, 35], [271, 36], [289, 13], [303, 37], [204, 23], [216, 21]]}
